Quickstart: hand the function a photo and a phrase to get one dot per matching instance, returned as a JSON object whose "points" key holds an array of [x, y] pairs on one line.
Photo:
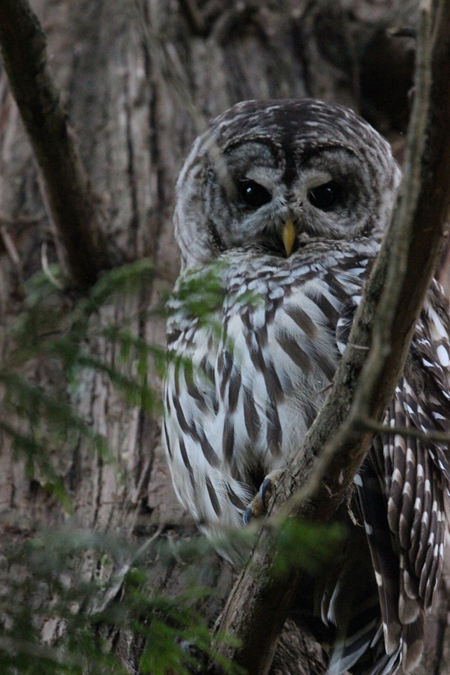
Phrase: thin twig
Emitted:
{"points": [[10, 246], [99, 603], [351, 427], [433, 436], [46, 269]]}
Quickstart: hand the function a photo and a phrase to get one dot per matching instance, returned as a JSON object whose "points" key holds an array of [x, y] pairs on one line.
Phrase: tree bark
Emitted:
{"points": [[138, 80]]}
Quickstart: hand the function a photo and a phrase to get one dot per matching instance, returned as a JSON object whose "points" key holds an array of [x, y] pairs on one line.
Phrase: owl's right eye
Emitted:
{"points": [[253, 194]]}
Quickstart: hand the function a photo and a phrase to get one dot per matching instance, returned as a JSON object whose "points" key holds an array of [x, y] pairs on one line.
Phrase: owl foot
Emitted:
{"points": [[258, 506]]}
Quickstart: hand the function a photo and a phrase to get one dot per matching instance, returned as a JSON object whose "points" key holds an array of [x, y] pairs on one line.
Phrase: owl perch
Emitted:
{"points": [[258, 605]]}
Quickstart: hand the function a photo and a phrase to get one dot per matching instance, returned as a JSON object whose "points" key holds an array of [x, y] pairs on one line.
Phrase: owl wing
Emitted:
{"points": [[403, 483]]}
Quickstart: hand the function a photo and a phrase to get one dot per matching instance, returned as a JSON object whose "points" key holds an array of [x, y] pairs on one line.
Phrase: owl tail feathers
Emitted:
{"points": [[402, 617], [413, 644], [362, 652]]}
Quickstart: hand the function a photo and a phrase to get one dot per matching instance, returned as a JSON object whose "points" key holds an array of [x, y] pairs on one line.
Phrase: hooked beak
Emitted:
{"points": [[288, 235]]}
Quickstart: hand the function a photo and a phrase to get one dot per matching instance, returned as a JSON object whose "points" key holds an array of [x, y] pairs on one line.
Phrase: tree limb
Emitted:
{"points": [[365, 381], [72, 205]]}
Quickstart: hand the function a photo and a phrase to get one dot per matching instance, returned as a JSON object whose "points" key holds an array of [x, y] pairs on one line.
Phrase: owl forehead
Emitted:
{"points": [[289, 128], [264, 152]]}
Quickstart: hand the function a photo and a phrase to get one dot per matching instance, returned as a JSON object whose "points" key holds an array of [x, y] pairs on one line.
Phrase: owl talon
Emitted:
{"points": [[255, 509], [266, 491], [268, 486], [258, 507], [248, 515]]}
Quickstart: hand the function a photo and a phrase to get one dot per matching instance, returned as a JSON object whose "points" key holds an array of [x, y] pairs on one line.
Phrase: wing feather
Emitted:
{"points": [[408, 478]]}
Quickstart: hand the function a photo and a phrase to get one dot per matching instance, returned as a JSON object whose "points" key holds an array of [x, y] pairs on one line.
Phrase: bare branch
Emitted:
{"points": [[412, 432], [72, 205], [356, 425], [365, 380]]}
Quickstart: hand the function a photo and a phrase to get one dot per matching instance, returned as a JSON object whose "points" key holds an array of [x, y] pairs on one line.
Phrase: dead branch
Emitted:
{"points": [[71, 202], [364, 383]]}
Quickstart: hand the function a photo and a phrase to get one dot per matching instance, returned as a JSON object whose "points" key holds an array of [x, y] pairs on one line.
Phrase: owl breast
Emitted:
{"points": [[248, 380]]}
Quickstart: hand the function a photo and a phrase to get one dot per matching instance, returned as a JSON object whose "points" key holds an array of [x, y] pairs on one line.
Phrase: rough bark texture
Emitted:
{"points": [[122, 68], [75, 213]]}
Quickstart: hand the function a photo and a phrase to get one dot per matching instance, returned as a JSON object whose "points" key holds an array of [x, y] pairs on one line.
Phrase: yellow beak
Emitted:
{"points": [[288, 235]]}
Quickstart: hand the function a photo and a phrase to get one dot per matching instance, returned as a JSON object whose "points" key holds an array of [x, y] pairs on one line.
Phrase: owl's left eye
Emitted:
{"points": [[254, 194], [326, 196]]}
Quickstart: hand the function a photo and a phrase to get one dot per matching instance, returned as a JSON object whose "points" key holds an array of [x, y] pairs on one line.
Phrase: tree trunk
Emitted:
{"points": [[139, 79]]}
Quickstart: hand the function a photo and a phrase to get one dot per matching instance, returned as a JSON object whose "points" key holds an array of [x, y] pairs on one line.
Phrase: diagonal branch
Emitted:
{"points": [[365, 381], [73, 208]]}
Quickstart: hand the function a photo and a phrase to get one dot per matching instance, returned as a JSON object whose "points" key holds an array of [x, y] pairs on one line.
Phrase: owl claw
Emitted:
{"points": [[268, 486], [248, 514], [265, 491], [259, 505], [256, 509]]}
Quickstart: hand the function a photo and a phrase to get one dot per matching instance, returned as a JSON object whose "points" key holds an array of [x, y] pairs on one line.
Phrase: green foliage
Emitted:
{"points": [[63, 332], [201, 293], [42, 585], [63, 337], [306, 545], [57, 335]]}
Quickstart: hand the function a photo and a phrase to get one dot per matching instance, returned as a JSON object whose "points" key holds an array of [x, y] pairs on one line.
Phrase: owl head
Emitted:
{"points": [[274, 176]]}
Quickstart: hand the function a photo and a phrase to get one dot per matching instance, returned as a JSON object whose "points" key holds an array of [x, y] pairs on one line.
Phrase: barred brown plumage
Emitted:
{"points": [[288, 255]]}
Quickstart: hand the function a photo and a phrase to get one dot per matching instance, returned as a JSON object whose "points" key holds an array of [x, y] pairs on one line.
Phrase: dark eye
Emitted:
{"points": [[326, 196], [254, 194]]}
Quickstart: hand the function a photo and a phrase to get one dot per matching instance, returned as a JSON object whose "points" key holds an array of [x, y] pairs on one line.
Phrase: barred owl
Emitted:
{"points": [[286, 202]]}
